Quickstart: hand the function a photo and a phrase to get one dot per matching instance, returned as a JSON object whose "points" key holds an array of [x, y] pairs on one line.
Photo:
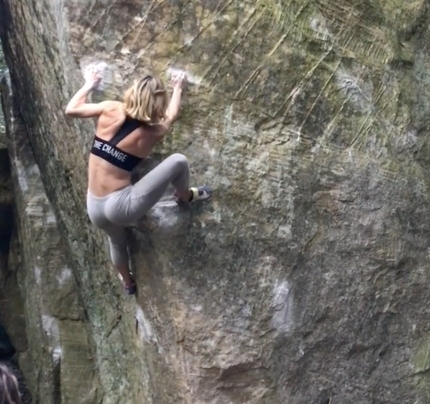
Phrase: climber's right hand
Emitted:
{"points": [[92, 78], [180, 81]]}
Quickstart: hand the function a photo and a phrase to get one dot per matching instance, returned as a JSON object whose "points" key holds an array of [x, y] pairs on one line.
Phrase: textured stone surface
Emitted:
{"points": [[305, 279], [53, 346]]}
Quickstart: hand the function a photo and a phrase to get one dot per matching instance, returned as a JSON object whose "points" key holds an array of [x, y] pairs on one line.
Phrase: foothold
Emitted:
{"points": [[64, 276], [52, 330], [282, 304], [144, 326], [38, 275]]}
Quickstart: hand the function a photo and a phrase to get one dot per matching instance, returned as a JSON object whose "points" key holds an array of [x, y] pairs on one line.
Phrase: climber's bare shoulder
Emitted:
{"points": [[88, 110], [110, 119], [111, 110]]}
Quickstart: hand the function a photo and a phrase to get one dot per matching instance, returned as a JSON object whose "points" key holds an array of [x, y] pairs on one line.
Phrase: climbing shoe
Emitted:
{"points": [[131, 289], [201, 193]]}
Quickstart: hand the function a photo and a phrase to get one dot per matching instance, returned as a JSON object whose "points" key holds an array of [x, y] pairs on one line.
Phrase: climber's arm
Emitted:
{"points": [[174, 106], [78, 106], [172, 112]]}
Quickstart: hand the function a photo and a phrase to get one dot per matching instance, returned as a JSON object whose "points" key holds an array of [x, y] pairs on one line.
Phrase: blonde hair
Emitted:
{"points": [[9, 390], [146, 100]]}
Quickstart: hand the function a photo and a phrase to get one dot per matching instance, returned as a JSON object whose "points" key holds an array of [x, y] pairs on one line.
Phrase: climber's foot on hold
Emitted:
{"points": [[195, 194], [130, 286], [130, 289], [201, 193]]}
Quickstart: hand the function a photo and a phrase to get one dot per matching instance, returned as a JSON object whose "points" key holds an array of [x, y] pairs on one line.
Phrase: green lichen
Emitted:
{"points": [[421, 368]]}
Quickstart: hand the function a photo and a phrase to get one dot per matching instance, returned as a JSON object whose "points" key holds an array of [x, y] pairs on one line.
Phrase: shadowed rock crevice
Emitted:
{"points": [[7, 350], [6, 207], [11, 303], [6, 227]]}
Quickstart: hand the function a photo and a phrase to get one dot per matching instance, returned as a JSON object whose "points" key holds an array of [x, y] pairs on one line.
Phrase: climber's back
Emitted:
{"points": [[119, 145], [126, 133]]}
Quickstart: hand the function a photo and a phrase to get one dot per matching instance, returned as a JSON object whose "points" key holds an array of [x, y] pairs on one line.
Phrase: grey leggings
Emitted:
{"points": [[113, 212]]}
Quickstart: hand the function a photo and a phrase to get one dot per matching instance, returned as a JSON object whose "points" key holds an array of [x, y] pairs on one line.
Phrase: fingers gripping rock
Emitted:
{"points": [[110, 80], [173, 72]]}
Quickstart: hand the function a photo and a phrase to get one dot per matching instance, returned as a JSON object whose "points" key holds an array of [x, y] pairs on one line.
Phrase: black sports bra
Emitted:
{"points": [[108, 151]]}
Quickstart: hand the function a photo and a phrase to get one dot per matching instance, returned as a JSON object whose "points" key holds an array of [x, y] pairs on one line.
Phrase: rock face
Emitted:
{"points": [[305, 279], [52, 343]]}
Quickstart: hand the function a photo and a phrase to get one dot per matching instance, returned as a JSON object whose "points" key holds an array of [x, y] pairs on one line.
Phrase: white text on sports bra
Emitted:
{"points": [[110, 150]]}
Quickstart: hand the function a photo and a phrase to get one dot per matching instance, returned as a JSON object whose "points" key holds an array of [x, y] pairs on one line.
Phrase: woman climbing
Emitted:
{"points": [[126, 133]]}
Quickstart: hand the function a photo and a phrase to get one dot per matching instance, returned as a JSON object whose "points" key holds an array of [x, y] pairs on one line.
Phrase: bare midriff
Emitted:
{"points": [[104, 178]]}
